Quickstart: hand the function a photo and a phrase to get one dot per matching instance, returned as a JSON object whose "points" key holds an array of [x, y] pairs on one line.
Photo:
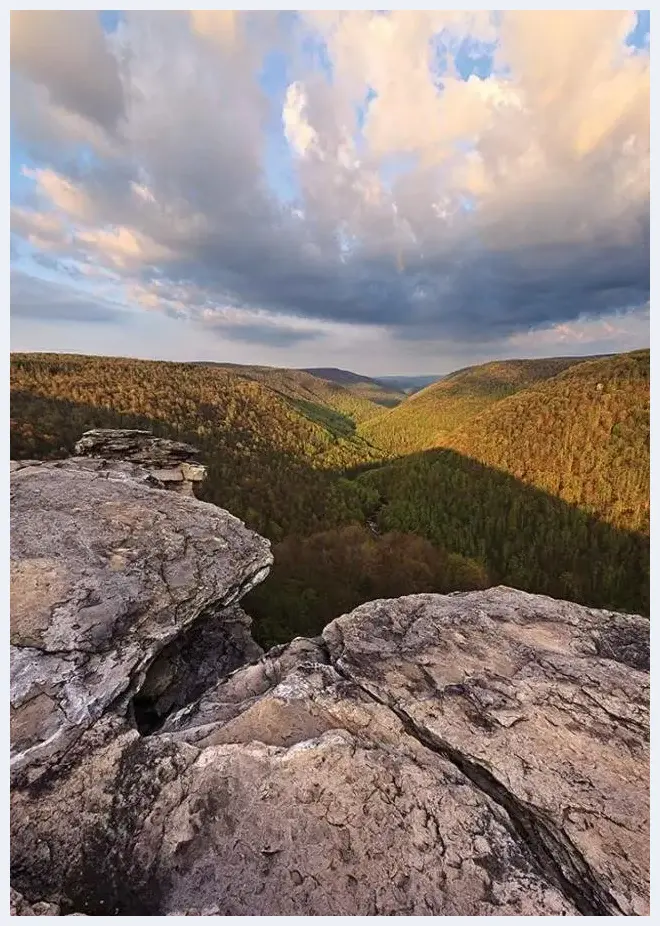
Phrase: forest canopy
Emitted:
{"points": [[528, 473]]}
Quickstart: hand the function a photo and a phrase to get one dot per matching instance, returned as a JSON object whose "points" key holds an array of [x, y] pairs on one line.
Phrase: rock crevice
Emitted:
{"points": [[555, 855]]}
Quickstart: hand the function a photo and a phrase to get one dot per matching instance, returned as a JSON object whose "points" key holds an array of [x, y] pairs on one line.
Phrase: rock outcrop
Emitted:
{"points": [[472, 754], [172, 464], [19, 906], [105, 573]]}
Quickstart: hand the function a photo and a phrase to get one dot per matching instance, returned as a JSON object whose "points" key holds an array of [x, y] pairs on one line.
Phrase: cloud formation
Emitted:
{"points": [[347, 169], [49, 301], [66, 53]]}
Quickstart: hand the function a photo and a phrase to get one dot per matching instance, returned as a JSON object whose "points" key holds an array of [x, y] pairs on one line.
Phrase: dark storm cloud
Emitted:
{"points": [[31, 297], [481, 295], [269, 335]]}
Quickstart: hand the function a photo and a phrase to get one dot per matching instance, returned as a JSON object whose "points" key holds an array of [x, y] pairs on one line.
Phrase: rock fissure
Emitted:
{"points": [[626, 722], [209, 648], [553, 853]]}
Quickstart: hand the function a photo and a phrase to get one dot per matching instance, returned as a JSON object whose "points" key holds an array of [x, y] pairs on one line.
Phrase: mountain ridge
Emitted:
{"points": [[426, 417], [296, 458]]}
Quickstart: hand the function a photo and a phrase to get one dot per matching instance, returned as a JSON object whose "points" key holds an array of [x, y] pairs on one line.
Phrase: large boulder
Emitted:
{"points": [[470, 754], [106, 572]]}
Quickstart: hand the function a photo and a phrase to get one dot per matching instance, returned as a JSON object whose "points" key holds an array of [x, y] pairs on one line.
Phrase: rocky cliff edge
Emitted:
{"points": [[474, 754]]}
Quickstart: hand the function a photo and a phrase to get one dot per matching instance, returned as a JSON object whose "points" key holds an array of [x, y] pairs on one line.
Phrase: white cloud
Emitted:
{"points": [[123, 247], [443, 209], [300, 134]]}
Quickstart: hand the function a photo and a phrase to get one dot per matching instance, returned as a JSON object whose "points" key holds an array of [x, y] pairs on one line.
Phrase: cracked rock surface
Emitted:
{"points": [[473, 754], [105, 572]]}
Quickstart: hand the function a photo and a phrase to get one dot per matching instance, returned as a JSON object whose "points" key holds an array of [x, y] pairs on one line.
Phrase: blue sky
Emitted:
{"points": [[335, 168]]}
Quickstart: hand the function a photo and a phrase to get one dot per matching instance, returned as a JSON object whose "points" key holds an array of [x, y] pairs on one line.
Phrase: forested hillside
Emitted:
{"points": [[425, 419], [542, 485], [257, 443], [548, 488], [316, 578], [583, 436], [275, 459], [385, 394], [522, 536], [314, 395]]}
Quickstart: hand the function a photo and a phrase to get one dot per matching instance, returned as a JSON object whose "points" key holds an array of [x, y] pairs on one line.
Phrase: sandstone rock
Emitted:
{"points": [[19, 906], [543, 704], [172, 463], [469, 754], [105, 573], [316, 793], [134, 446], [234, 694]]}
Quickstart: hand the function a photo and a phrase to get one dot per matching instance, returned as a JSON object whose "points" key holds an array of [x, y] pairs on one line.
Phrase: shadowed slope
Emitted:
{"points": [[524, 536]]}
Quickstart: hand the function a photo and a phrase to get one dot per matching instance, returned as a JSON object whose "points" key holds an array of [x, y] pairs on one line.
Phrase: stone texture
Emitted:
{"points": [[134, 446], [207, 651], [19, 906], [172, 463], [472, 754], [105, 573], [543, 704]]}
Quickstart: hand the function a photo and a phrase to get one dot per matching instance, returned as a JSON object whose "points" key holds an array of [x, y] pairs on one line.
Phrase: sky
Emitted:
{"points": [[389, 192]]}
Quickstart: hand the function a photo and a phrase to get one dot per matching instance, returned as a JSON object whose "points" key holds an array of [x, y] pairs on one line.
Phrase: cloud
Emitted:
{"points": [[272, 335], [45, 300], [44, 230], [60, 193], [66, 52], [624, 330], [122, 247], [438, 208]]}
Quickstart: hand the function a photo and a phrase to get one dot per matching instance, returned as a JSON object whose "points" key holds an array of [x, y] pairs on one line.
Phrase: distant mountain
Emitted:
{"points": [[425, 419], [311, 393], [334, 375], [376, 390], [408, 384]]}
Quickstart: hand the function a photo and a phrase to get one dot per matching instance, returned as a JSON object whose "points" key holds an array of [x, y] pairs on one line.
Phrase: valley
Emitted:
{"points": [[533, 474], [329, 469]]}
